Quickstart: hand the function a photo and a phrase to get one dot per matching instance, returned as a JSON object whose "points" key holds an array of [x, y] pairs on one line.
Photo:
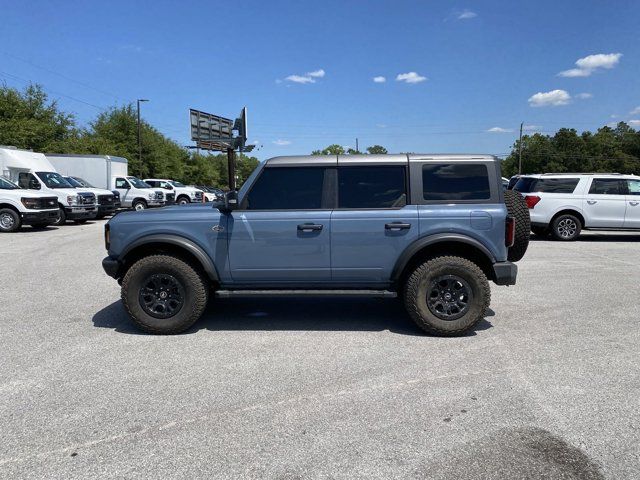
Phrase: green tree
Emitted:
{"points": [[334, 149], [29, 120], [377, 149]]}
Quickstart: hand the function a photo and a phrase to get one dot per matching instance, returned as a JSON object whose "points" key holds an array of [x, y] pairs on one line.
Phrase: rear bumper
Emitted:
{"points": [[45, 216], [111, 266], [505, 273]]}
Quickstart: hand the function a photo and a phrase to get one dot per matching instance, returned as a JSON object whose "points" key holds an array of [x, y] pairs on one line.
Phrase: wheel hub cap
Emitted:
{"points": [[567, 228], [449, 297], [6, 220], [161, 295]]}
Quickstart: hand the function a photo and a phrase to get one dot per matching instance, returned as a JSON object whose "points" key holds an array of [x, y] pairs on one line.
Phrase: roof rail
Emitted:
{"points": [[585, 173]]}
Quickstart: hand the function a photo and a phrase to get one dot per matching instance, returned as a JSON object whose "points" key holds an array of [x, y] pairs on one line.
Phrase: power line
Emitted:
{"points": [[104, 92]]}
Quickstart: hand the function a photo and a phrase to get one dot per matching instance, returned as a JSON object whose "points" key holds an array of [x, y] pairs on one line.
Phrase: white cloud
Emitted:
{"points": [[300, 79], [381, 125], [316, 73], [584, 96], [500, 130], [379, 79], [635, 111], [410, 77], [634, 123], [309, 77], [531, 128], [591, 63], [552, 98], [281, 143], [467, 15]]}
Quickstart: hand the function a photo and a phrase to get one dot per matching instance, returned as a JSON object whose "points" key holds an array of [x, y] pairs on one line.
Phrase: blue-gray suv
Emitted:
{"points": [[433, 229]]}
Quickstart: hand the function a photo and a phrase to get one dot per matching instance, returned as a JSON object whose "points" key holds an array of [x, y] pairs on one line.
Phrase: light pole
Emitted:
{"points": [[139, 136]]}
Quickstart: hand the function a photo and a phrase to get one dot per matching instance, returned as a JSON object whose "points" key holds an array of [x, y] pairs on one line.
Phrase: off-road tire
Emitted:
{"points": [[9, 220], [517, 208], [541, 231], [417, 286], [62, 217], [196, 293], [556, 230]]}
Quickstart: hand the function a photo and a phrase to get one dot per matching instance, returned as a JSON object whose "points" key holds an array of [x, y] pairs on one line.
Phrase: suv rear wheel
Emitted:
{"points": [[164, 294], [447, 295], [566, 227]]}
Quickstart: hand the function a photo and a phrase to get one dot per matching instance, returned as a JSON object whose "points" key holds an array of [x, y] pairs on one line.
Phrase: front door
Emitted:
{"points": [[280, 234], [632, 214], [373, 223], [605, 204], [123, 187]]}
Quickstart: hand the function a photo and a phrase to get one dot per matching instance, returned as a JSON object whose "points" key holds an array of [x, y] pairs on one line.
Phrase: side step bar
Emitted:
{"points": [[305, 293]]}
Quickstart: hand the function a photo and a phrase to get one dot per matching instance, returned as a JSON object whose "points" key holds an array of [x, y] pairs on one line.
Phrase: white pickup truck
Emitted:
{"points": [[23, 207], [183, 194], [32, 170]]}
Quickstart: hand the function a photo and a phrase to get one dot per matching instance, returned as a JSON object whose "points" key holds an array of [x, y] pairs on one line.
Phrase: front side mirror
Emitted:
{"points": [[230, 201]]}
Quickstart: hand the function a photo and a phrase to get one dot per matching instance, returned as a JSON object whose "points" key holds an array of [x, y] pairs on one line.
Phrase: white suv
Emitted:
{"points": [[564, 204]]}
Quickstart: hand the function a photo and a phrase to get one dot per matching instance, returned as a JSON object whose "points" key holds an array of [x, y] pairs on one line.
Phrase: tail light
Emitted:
{"points": [[510, 231], [532, 200], [107, 236]]}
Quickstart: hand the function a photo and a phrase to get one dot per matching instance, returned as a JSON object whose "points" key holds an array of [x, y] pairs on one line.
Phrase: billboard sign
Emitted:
{"points": [[206, 127]]}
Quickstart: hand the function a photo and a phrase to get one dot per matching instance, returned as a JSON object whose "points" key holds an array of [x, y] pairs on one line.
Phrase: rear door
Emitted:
{"points": [[632, 213], [281, 232], [372, 224], [605, 203]]}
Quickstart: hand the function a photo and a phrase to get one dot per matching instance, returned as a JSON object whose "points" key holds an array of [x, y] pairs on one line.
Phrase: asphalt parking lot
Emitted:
{"points": [[546, 387]]}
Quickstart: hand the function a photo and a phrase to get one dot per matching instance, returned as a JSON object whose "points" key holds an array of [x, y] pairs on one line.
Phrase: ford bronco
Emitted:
{"points": [[432, 229]]}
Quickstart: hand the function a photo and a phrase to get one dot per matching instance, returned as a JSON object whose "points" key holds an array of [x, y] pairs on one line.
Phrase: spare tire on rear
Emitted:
{"points": [[517, 208]]}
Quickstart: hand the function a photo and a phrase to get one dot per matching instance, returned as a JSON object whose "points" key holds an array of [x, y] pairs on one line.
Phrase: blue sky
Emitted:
{"points": [[305, 70]]}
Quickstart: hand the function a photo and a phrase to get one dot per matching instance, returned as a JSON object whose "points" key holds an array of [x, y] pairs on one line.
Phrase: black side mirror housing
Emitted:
{"points": [[230, 201]]}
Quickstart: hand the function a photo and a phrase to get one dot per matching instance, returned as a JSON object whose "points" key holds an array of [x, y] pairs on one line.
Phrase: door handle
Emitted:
{"points": [[633, 204], [309, 227], [397, 226], [592, 202]]}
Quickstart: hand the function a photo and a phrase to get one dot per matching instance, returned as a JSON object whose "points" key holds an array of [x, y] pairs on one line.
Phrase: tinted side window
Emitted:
{"points": [[556, 185], [372, 187], [633, 187], [295, 188], [525, 184], [605, 186], [455, 181]]}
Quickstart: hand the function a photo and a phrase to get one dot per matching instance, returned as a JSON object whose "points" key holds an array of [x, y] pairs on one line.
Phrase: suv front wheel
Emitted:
{"points": [[164, 294], [447, 295]]}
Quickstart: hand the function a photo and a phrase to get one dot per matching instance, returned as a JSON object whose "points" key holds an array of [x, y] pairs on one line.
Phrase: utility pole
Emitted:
{"points": [[357, 149], [139, 136], [520, 151], [231, 165]]}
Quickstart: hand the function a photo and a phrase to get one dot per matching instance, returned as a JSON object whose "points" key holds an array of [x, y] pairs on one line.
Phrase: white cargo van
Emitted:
{"points": [[33, 171], [110, 173], [25, 207]]}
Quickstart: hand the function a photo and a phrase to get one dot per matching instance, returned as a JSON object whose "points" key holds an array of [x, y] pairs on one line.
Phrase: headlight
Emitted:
{"points": [[72, 200], [30, 202]]}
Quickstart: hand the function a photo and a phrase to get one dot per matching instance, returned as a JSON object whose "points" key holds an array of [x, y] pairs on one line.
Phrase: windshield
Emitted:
{"points": [[73, 182], [136, 182], [82, 182], [7, 185], [176, 184], [54, 180]]}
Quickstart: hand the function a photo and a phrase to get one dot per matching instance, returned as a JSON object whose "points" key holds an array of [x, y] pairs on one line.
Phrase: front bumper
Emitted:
{"points": [[106, 209], [505, 273], [44, 216], [155, 203], [80, 213], [111, 266]]}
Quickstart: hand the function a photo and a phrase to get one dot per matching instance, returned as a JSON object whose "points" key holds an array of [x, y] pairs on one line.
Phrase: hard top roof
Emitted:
{"points": [[326, 160]]}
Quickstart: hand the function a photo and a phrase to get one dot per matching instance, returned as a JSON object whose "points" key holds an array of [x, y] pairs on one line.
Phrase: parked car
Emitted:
{"points": [[432, 229], [25, 207], [33, 171], [105, 199], [211, 194], [109, 173], [183, 194], [116, 195], [564, 204]]}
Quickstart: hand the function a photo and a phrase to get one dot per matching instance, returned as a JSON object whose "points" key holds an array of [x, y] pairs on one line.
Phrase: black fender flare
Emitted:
{"points": [[190, 246], [408, 253]]}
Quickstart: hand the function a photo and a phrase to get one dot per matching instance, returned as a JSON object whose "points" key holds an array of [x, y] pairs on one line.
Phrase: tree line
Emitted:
{"points": [[30, 120]]}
